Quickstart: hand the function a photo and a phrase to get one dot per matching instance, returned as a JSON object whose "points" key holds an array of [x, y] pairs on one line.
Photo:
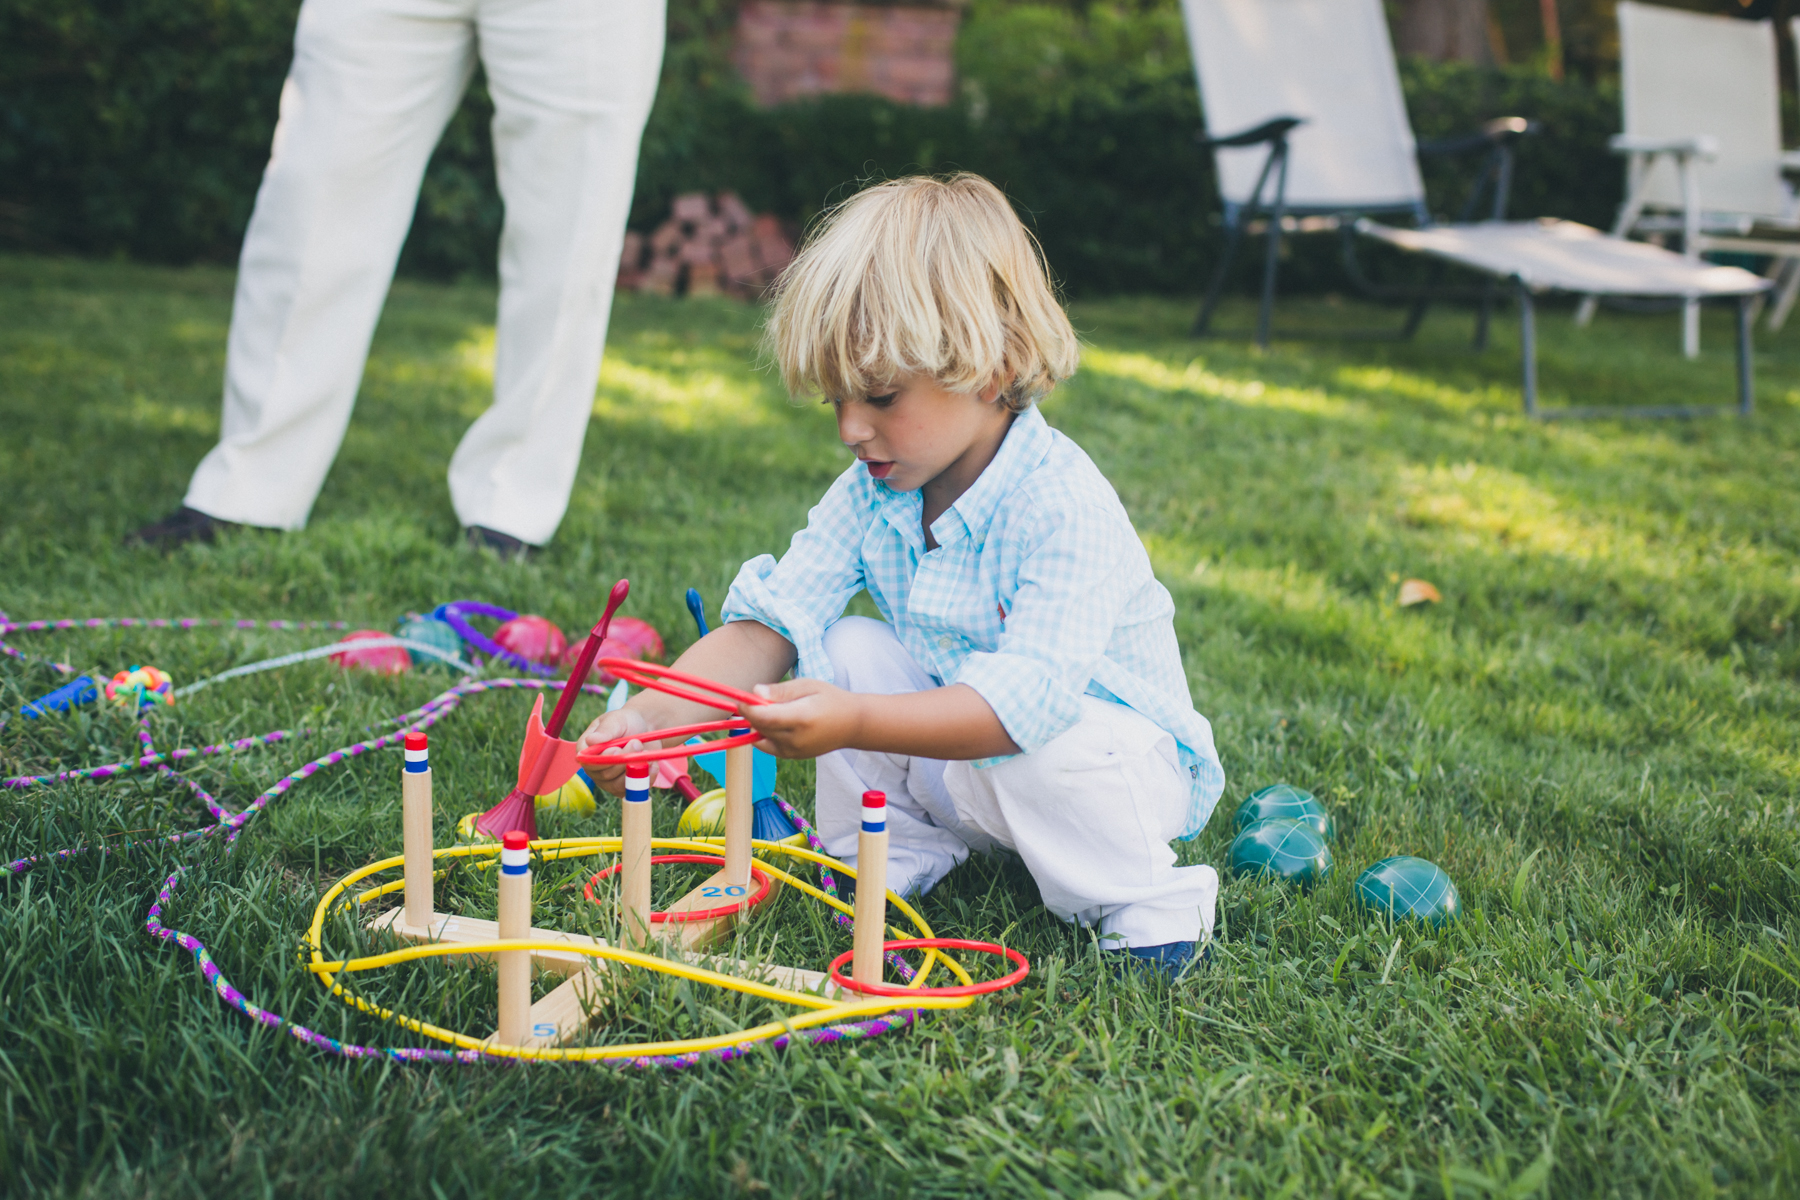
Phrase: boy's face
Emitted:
{"points": [[914, 431]]}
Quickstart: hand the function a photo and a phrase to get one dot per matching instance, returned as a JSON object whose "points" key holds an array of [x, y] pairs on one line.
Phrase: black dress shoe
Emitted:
{"points": [[505, 545], [178, 528]]}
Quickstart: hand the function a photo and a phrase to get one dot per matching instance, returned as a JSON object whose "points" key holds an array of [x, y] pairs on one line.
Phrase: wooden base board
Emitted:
{"points": [[794, 979], [449, 927], [570, 1009], [566, 1011], [698, 935], [574, 1006]]}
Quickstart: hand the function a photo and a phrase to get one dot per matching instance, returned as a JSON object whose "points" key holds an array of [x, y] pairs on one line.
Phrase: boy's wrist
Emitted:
{"points": [[858, 719]]}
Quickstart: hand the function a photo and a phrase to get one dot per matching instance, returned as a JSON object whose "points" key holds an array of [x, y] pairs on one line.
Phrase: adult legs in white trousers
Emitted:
{"points": [[1091, 814], [372, 85]]}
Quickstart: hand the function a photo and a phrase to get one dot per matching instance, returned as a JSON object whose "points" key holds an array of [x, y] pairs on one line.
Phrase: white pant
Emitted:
{"points": [[1092, 813], [372, 85]]}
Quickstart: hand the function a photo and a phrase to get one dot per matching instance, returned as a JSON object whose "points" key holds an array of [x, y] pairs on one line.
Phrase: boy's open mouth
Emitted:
{"points": [[878, 469]]}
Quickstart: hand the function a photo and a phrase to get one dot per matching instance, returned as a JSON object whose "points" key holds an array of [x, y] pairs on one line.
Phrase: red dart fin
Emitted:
{"points": [[533, 744], [545, 763], [556, 765]]}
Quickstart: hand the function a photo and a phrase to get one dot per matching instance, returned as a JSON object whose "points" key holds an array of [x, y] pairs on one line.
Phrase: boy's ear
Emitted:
{"points": [[992, 391]]}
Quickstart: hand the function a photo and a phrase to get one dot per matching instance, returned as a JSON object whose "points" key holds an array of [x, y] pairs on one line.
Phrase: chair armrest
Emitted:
{"points": [[1268, 131], [1696, 147], [1493, 133]]}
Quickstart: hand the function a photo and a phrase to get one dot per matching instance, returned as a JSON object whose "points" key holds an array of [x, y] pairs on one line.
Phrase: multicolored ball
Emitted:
{"points": [[705, 817], [430, 632], [1290, 850], [1283, 800], [1404, 886], [141, 687], [626, 637], [576, 796], [383, 660], [532, 638]]}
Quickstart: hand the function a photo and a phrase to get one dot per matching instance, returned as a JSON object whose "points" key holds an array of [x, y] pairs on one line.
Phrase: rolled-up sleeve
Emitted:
{"points": [[802, 594], [1071, 591]]}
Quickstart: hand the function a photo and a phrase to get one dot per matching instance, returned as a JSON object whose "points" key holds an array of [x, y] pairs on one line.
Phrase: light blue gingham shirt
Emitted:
{"points": [[1039, 592]]}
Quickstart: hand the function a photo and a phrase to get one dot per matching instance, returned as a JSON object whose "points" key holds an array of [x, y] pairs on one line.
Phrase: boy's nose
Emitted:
{"points": [[851, 431]]}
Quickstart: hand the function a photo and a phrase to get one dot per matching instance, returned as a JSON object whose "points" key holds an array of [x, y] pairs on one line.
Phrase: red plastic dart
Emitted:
{"points": [[546, 761]]}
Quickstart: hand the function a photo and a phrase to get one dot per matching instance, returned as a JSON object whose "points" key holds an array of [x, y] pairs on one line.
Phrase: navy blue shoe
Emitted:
{"points": [[1170, 958]]}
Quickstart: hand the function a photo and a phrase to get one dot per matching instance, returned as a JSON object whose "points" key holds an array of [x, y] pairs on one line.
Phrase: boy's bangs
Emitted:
{"points": [[921, 277]]}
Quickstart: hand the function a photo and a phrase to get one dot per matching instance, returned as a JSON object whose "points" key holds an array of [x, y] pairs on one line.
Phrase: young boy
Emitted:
{"points": [[1025, 689]]}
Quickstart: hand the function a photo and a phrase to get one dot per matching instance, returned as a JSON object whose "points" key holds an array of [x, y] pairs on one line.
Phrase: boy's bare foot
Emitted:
{"points": [[178, 528], [505, 545]]}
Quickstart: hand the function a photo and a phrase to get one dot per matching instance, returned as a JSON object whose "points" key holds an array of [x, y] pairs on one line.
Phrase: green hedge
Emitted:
{"points": [[141, 129]]}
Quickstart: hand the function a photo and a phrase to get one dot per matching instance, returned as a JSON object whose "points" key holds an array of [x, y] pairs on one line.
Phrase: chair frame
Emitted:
{"points": [[1496, 137], [1702, 230]]}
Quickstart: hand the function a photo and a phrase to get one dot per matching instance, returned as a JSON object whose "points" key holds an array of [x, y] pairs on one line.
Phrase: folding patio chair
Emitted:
{"points": [[1314, 81], [1548, 255], [1309, 131], [1702, 113]]}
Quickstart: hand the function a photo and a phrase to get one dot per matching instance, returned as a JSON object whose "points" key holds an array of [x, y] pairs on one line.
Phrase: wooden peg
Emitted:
{"points": [[634, 857], [515, 923], [871, 889], [740, 765], [415, 816]]}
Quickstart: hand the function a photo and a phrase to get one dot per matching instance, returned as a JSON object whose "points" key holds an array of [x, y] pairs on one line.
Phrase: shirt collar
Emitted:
{"points": [[1024, 448], [1022, 452]]}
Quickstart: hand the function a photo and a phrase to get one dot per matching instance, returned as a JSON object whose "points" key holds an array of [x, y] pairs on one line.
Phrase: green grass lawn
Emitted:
{"points": [[1597, 732]]}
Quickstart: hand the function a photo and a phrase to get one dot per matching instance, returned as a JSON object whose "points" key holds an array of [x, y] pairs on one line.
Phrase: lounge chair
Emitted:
{"points": [[1309, 132], [1702, 113], [1312, 90]]}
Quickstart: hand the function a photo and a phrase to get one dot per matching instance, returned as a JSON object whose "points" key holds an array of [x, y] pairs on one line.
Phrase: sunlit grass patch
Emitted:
{"points": [[1596, 731]]}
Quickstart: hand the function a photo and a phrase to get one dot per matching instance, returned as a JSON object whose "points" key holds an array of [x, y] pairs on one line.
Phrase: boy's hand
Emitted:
{"points": [[804, 718], [604, 729]]}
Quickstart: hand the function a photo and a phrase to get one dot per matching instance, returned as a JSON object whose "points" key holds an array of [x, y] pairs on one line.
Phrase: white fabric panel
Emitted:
{"points": [[1687, 74], [1091, 813], [1327, 61], [371, 86], [1552, 255]]}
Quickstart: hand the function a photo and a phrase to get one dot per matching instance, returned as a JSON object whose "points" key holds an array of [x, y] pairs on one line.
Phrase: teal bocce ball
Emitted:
{"points": [[1410, 887], [1290, 850], [431, 633], [1283, 800]]}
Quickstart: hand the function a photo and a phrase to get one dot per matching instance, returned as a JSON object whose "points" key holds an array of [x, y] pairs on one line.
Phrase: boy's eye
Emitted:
{"points": [[883, 401]]}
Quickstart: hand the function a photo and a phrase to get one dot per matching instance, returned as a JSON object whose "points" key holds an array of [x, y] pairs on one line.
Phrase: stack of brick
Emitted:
{"points": [[790, 49], [707, 247]]}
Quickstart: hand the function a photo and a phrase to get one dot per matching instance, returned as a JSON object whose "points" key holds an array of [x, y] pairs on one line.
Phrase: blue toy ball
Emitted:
{"points": [[1283, 800], [1290, 850], [1405, 886], [432, 632]]}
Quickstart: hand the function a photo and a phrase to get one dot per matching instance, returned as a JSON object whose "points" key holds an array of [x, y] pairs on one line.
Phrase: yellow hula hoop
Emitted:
{"points": [[824, 1012], [560, 848]]}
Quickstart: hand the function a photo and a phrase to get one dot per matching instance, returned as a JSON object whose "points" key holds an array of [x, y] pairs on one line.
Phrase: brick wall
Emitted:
{"points": [[786, 49]]}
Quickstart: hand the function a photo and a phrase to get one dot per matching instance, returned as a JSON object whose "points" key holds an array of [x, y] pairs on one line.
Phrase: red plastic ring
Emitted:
{"points": [[666, 679], [597, 756], [968, 989], [697, 914]]}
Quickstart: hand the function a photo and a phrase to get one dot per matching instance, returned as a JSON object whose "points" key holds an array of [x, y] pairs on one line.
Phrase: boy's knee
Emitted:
{"points": [[866, 655], [1064, 760], [852, 639]]}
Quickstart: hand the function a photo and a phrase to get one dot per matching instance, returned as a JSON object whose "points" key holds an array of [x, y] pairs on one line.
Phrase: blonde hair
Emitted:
{"points": [[921, 276]]}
